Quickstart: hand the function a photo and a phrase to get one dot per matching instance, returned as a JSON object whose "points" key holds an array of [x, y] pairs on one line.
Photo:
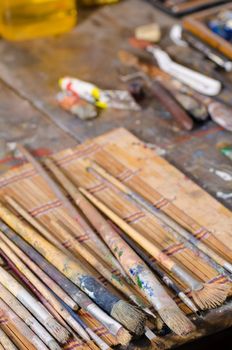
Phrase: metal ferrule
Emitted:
{"points": [[185, 276], [228, 267], [112, 325], [187, 301]]}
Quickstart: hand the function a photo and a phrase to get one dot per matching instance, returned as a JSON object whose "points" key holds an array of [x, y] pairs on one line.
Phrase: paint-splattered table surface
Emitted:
{"points": [[29, 72]]}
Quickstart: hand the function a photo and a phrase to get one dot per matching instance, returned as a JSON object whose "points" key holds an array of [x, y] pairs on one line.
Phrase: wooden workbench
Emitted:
{"points": [[29, 72]]}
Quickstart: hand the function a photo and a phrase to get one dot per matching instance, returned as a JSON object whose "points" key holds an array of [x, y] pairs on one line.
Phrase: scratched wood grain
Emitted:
{"points": [[21, 122], [89, 52]]}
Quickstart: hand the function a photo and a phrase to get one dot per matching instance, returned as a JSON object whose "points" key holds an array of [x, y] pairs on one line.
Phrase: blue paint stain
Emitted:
{"points": [[137, 272], [102, 297], [199, 153]]}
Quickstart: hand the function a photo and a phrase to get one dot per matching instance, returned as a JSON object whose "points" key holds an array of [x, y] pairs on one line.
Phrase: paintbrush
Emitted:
{"points": [[133, 319], [115, 280], [42, 275], [204, 295], [78, 249], [154, 267], [35, 342], [97, 245], [35, 223], [137, 270], [78, 198], [102, 345], [5, 341], [25, 315], [74, 292], [39, 312], [123, 312], [61, 311], [11, 250], [164, 220], [21, 342], [40, 297], [109, 236]]}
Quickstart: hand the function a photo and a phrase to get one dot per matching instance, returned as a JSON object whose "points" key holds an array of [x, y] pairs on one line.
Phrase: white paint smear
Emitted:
{"points": [[224, 195], [222, 174]]}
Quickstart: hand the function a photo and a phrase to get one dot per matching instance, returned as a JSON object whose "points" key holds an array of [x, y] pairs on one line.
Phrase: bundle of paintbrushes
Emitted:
{"points": [[95, 254]]}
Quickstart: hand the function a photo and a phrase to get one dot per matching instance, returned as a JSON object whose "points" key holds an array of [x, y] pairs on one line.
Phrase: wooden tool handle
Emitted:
{"points": [[168, 101]]}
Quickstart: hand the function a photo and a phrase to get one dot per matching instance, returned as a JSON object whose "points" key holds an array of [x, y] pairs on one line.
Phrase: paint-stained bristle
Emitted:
{"points": [[60, 333], [129, 316], [211, 295], [123, 336], [176, 320]]}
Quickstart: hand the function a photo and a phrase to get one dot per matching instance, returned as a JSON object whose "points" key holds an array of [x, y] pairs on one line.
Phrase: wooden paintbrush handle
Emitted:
{"points": [[168, 101]]}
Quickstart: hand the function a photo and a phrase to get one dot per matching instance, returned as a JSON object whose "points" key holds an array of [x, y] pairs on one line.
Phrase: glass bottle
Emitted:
{"points": [[27, 19]]}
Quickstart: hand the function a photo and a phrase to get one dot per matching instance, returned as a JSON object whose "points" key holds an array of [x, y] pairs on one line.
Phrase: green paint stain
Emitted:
{"points": [[116, 278], [139, 283], [227, 151], [120, 253]]}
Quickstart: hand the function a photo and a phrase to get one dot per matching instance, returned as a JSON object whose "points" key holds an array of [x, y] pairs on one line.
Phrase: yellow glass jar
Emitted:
{"points": [[27, 19], [98, 2]]}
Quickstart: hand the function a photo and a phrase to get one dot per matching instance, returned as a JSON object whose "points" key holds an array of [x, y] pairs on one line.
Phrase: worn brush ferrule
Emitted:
{"points": [[187, 301], [228, 267], [112, 325], [185, 276]]}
